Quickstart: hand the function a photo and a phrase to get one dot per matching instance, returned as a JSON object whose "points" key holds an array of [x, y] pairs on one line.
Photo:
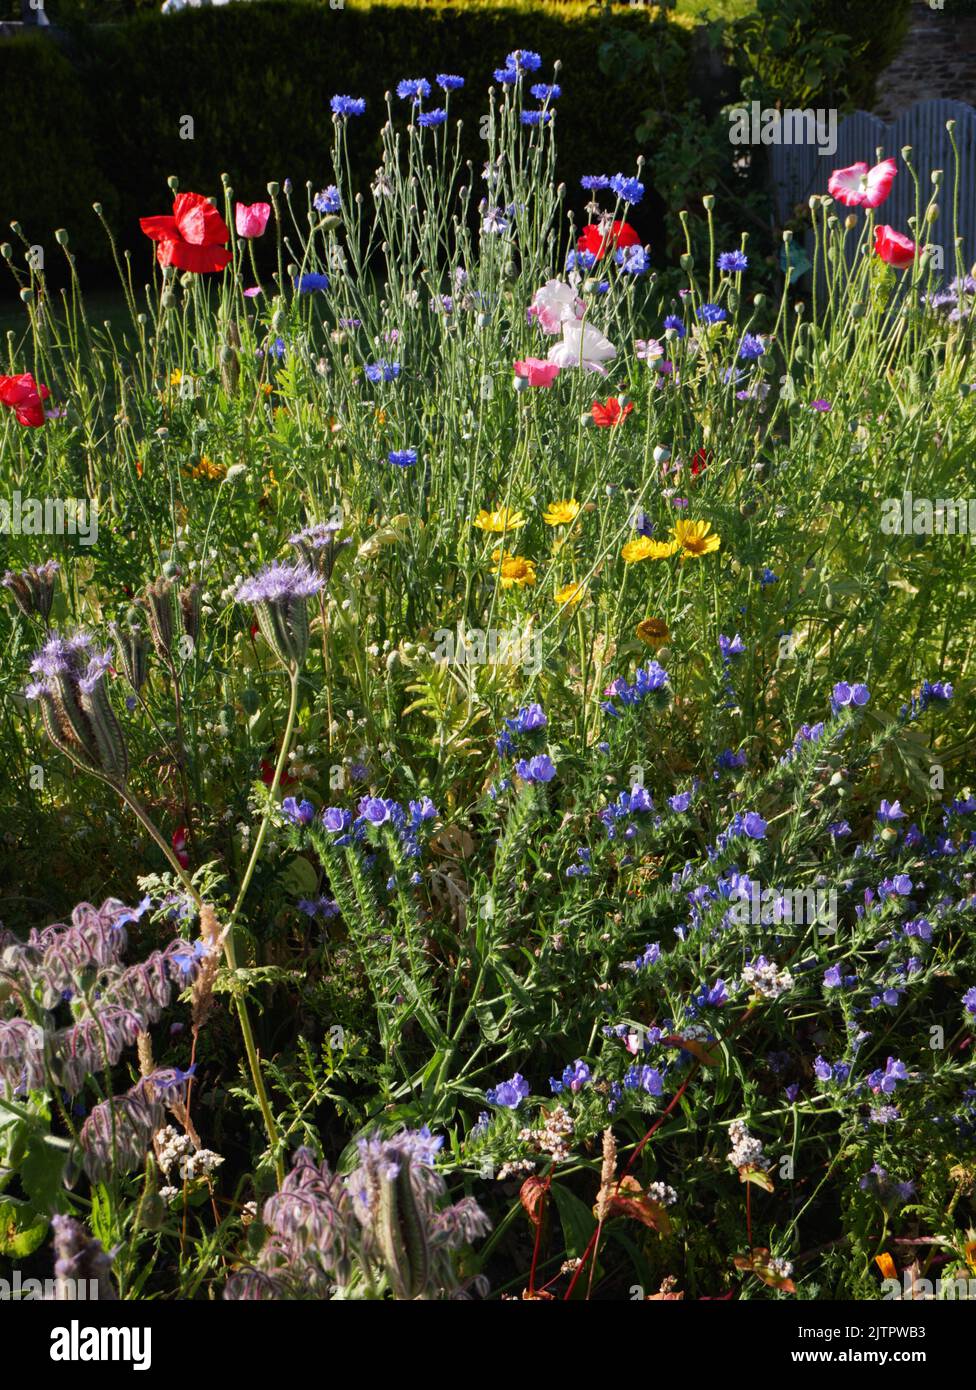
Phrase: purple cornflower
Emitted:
{"points": [[751, 347]]}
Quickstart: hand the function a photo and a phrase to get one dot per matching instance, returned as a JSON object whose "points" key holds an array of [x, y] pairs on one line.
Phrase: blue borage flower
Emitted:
{"points": [[733, 261], [382, 370], [328, 201], [344, 107], [628, 190], [413, 89]]}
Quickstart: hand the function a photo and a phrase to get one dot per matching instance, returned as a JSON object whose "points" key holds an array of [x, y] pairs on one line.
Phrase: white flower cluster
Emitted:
{"points": [[767, 979], [660, 1192], [781, 1267], [174, 6], [176, 1150], [746, 1152]]}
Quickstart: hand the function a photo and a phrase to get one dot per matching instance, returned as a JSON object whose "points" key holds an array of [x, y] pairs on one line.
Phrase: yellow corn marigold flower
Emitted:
{"points": [[206, 468], [654, 632], [569, 595], [175, 377], [514, 570], [646, 548], [500, 520], [561, 513], [695, 538]]}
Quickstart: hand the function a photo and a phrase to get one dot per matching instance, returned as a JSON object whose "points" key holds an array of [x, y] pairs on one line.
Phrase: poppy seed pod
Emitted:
{"points": [[33, 588], [279, 596]]}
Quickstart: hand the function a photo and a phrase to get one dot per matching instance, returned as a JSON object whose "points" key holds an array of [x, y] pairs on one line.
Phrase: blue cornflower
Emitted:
{"points": [[328, 200], [593, 182], [767, 577], [627, 190], [580, 260], [348, 106], [523, 60], [543, 92], [535, 117], [712, 313], [403, 458], [382, 371], [413, 89], [448, 82], [432, 118], [309, 283], [633, 260], [733, 260], [507, 76], [672, 321], [751, 347]]}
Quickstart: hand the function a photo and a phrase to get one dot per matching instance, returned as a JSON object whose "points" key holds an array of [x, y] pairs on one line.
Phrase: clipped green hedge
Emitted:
{"points": [[256, 79]]}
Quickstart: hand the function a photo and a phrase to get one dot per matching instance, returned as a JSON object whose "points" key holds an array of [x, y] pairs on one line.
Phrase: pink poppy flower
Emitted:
{"points": [[897, 250], [536, 371], [861, 187], [555, 304], [252, 219]]}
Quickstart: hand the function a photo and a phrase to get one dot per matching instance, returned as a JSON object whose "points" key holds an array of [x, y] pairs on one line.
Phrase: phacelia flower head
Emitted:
{"points": [[78, 717], [279, 595]]}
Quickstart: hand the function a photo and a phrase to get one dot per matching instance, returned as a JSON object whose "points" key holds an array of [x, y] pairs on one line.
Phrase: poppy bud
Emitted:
{"points": [[173, 183], [274, 189], [708, 202], [61, 236], [520, 383], [687, 261], [26, 296]]}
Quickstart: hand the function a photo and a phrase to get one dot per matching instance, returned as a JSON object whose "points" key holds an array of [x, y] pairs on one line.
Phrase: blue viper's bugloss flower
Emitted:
{"points": [[730, 646], [382, 371], [575, 1076], [544, 92], [889, 811], [751, 347], [449, 82], [844, 695], [336, 820], [593, 182], [712, 313], [413, 89], [627, 190], [969, 1001], [313, 280], [509, 1094], [403, 458], [672, 321], [328, 200], [348, 106], [432, 118], [680, 802], [754, 825], [733, 261], [298, 812], [538, 769]]}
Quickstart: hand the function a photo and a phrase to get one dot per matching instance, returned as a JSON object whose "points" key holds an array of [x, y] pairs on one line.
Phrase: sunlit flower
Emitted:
{"points": [[499, 521], [695, 538], [653, 632], [646, 548], [570, 595], [515, 571], [610, 413], [561, 513]]}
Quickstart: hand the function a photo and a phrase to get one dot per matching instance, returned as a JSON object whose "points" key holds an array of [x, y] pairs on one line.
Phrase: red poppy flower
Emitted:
{"points": [[611, 413], [899, 251], [178, 841], [268, 772], [599, 243], [25, 397], [700, 460], [191, 239]]}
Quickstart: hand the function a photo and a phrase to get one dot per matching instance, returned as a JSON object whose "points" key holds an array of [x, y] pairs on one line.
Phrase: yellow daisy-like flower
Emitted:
{"points": [[514, 570], [501, 520], [175, 377], [206, 468], [646, 548], [695, 538], [653, 632], [561, 513], [569, 595]]}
